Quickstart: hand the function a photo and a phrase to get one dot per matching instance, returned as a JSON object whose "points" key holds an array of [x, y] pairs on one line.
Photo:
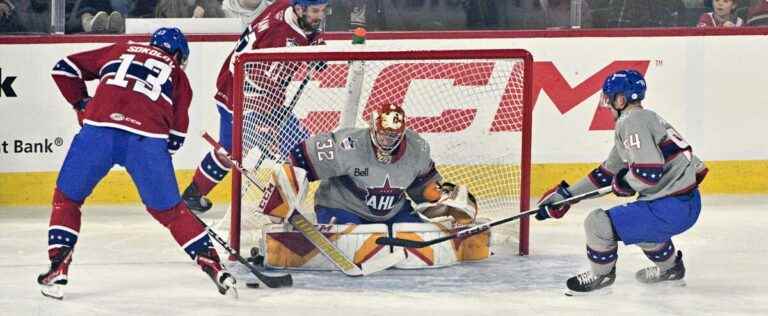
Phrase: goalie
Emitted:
{"points": [[371, 176], [366, 173]]}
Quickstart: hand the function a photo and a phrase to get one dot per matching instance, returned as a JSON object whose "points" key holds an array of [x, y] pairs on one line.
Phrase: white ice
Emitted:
{"points": [[127, 264]]}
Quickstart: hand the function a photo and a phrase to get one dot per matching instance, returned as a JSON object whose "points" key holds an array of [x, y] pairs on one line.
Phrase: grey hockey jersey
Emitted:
{"points": [[351, 178], [660, 162]]}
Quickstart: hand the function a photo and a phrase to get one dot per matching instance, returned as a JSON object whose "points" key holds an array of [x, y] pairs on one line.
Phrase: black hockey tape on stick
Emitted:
{"points": [[474, 230]]}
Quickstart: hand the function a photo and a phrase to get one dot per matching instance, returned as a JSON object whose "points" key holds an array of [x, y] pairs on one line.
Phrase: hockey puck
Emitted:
{"points": [[253, 285]]}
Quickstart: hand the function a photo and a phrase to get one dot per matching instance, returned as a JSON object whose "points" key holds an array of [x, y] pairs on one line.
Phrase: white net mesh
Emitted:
{"points": [[470, 110]]}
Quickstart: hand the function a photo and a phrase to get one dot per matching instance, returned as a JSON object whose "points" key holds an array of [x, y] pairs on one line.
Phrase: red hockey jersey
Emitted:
{"points": [[277, 26], [142, 89]]}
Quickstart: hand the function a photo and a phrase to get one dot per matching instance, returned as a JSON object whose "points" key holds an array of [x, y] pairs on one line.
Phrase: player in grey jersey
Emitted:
{"points": [[366, 173], [650, 159]]}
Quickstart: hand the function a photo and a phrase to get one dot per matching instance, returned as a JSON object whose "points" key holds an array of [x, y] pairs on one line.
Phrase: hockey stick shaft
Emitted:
{"points": [[283, 116], [222, 151], [272, 281], [474, 230]]}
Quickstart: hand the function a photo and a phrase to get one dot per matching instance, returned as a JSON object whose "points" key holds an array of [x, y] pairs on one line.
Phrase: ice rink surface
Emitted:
{"points": [[127, 264]]}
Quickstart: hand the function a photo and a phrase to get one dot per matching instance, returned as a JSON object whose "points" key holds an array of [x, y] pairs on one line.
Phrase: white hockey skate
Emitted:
{"points": [[224, 281], [588, 283], [672, 276]]}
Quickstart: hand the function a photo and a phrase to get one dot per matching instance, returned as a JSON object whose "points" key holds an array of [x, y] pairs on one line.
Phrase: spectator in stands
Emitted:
{"points": [[9, 18], [758, 14], [481, 14], [245, 10], [636, 13], [188, 9], [35, 15], [357, 13], [142, 8], [93, 16], [122, 6], [558, 13], [722, 15]]}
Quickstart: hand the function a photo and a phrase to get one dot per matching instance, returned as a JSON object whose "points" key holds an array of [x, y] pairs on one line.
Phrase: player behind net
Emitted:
{"points": [[137, 119], [372, 175], [283, 23], [650, 159]]}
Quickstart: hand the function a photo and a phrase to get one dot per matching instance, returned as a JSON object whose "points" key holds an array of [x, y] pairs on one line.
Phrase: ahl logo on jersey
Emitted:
{"points": [[381, 200]]}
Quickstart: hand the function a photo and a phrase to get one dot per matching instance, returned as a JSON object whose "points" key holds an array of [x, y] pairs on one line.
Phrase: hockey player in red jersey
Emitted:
{"points": [[284, 23], [137, 118]]}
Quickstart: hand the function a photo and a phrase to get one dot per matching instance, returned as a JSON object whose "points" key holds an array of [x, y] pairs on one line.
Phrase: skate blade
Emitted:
{"points": [[672, 284], [54, 291], [599, 292]]}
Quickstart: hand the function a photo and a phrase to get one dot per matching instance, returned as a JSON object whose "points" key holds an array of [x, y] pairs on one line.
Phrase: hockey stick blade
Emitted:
{"points": [[271, 281], [474, 230]]}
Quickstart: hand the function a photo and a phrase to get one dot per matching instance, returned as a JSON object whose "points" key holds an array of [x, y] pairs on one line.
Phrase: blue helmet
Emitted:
{"points": [[309, 2], [630, 82], [172, 41]]}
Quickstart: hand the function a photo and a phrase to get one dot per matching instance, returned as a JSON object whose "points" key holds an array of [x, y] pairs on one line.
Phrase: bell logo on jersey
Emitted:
{"points": [[381, 200]]}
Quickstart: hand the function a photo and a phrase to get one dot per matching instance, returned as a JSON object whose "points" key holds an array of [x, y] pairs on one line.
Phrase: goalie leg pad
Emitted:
{"points": [[287, 249], [472, 248], [186, 230]]}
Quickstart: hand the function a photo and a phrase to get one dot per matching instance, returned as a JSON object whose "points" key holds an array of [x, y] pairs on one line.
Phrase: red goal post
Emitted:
{"points": [[474, 107]]}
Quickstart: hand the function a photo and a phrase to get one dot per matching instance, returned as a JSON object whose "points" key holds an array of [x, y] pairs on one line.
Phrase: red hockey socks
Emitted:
{"points": [[64, 226], [188, 232]]}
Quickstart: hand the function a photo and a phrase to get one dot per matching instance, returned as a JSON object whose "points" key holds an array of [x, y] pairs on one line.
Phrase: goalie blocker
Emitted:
{"points": [[286, 248]]}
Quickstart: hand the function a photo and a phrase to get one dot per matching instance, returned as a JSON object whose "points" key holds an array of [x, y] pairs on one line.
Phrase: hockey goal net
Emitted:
{"points": [[472, 106]]}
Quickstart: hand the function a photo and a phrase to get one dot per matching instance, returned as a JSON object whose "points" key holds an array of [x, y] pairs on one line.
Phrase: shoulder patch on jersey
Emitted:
{"points": [[348, 143]]}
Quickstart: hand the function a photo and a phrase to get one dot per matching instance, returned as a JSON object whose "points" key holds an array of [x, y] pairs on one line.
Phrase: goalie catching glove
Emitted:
{"points": [[455, 201]]}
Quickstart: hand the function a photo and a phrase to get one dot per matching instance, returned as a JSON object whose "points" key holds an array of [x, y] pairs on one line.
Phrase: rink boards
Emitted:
{"points": [[708, 87]]}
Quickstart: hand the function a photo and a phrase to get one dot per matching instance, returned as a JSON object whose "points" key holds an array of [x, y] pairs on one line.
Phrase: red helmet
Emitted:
{"points": [[387, 127]]}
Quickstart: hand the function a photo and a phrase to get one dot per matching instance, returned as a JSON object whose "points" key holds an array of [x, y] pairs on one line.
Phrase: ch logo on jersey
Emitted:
{"points": [[381, 200]]}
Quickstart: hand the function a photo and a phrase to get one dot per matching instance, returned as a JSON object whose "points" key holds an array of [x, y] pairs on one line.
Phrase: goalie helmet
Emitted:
{"points": [[387, 130]]}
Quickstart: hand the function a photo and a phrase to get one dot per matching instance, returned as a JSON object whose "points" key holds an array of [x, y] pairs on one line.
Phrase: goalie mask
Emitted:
{"points": [[387, 130]]}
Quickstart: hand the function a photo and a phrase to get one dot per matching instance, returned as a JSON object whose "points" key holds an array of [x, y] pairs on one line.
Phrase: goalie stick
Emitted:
{"points": [[272, 281], [474, 230], [310, 232]]}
